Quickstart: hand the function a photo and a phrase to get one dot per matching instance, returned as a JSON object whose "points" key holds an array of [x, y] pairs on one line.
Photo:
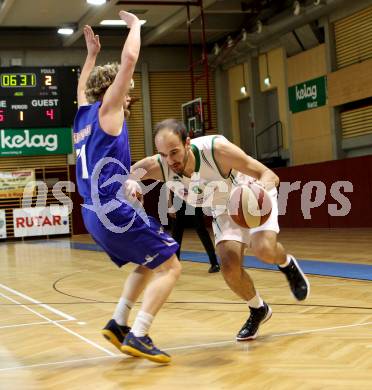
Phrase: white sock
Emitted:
{"points": [[286, 263], [122, 311], [256, 301], [142, 324]]}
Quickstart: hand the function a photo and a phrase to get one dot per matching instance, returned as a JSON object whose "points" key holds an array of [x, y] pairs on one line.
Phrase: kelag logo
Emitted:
{"points": [[306, 91], [26, 140], [35, 142], [307, 95]]}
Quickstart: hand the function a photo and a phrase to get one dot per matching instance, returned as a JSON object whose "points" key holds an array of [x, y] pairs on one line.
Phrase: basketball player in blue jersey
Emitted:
{"points": [[213, 165], [103, 156]]}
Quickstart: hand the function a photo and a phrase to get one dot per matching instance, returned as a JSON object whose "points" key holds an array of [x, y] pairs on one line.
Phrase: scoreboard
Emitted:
{"points": [[38, 96]]}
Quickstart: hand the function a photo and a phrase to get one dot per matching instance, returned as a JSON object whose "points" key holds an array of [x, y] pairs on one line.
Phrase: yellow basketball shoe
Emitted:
{"points": [[115, 333], [143, 347]]}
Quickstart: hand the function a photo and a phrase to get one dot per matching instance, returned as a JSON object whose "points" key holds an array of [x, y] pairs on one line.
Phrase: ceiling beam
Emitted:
{"points": [[92, 17], [173, 22], [292, 22], [225, 11], [6, 6], [159, 2], [281, 27]]}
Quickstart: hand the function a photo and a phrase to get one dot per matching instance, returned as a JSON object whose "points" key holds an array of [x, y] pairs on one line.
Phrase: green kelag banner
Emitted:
{"points": [[308, 95], [35, 142]]}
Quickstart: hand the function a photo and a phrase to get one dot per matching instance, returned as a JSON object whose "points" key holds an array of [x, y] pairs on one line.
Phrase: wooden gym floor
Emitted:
{"points": [[55, 299]]}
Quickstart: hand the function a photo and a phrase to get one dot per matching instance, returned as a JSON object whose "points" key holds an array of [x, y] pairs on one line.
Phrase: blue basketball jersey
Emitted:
{"points": [[122, 233], [92, 145]]}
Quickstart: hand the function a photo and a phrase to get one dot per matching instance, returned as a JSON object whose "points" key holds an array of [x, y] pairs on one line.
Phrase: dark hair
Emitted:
{"points": [[177, 127]]}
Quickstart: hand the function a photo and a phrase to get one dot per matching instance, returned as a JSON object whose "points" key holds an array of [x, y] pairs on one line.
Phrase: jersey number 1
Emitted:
{"points": [[81, 154]]}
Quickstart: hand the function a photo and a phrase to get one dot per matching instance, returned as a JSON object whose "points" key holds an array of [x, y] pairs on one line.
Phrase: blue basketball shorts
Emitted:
{"points": [[143, 244]]}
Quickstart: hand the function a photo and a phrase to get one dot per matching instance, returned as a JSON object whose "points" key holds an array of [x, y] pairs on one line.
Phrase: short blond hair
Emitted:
{"points": [[99, 80]]}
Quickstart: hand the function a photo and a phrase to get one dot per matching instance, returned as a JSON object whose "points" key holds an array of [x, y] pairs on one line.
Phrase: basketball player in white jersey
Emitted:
{"points": [[208, 167]]}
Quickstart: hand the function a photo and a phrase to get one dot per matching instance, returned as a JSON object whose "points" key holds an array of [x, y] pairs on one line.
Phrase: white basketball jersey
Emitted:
{"points": [[206, 187]]}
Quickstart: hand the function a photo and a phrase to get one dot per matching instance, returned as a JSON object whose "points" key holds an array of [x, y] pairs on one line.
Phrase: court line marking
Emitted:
{"points": [[45, 306], [92, 343], [272, 336], [60, 363], [30, 324], [321, 329], [226, 342], [254, 264]]}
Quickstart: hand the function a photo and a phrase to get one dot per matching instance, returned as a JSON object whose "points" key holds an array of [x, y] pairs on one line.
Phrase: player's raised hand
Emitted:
{"points": [[92, 41], [128, 18]]}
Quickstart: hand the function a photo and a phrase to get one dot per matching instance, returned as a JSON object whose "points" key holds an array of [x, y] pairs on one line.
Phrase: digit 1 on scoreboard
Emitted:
{"points": [[50, 113], [21, 116]]}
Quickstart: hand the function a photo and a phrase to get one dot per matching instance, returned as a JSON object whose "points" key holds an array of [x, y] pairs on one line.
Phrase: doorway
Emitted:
{"points": [[246, 127]]}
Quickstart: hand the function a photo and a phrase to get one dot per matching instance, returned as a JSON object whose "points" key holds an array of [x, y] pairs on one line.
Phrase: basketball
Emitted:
{"points": [[249, 205]]}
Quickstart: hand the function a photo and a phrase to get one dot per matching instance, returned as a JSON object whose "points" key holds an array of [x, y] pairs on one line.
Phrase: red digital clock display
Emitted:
{"points": [[37, 97]]}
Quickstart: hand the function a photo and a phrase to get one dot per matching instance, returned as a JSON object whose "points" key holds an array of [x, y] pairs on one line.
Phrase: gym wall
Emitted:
{"points": [[311, 132], [237, 76], [273, 65]]}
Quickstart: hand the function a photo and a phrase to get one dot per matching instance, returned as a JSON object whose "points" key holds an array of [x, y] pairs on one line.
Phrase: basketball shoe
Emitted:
{"points": [[214, 268], [257, 317], [297, 280], [115, 333], [143, 347]]}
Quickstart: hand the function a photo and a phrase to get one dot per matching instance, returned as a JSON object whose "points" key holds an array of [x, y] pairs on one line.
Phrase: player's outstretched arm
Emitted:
{"points": [[112, 112], [147, 168], [93, 48], [230, 156]]}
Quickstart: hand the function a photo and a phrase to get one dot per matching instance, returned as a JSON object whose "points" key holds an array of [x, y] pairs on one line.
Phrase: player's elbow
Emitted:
{"points": [[131, 57], [142, 168], [270, 177], [276, 179]]}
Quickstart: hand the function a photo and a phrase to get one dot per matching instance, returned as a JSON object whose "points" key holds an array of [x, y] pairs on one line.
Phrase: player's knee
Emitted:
{"points": [[264, 250], [175, 266], [177, 269], [171, 266], [230, 267]]}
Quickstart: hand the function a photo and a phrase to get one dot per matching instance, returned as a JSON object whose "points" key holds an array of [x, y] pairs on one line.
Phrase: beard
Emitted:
{"points": [[179, 168]]}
